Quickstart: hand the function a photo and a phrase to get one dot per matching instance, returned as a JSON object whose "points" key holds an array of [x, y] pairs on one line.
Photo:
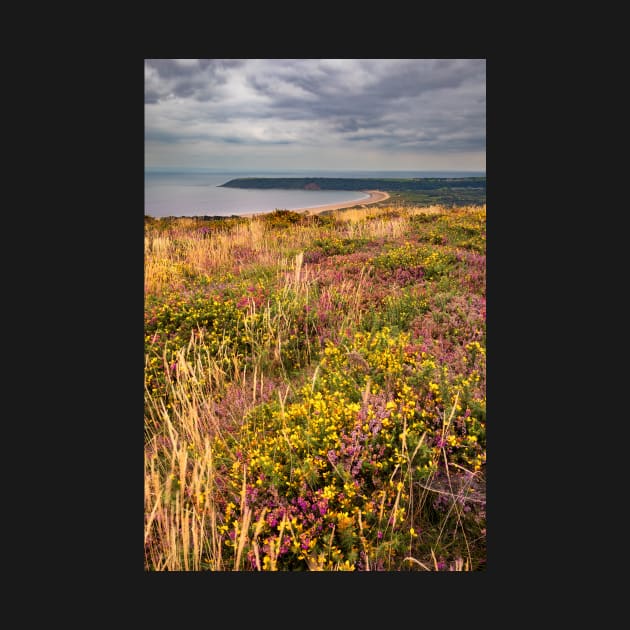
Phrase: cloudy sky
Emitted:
{"points": [[362, 114]]}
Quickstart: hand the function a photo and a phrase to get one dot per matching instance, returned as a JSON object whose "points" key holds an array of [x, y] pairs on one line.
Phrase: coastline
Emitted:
{"points": [[375, 197]]}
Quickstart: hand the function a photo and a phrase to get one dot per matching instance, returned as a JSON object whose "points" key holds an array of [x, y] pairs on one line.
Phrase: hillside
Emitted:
{"points": [[315, 391]]}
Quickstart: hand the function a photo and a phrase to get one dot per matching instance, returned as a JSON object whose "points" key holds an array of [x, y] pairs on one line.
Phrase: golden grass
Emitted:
{"points": [[181, 488], [169, 260], [181, 534]]}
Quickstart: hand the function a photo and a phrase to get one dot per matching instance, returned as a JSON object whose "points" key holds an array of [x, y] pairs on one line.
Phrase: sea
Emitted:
{"points": [[198, 193]]}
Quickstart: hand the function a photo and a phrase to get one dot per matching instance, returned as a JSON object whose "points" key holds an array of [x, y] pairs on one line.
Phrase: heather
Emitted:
{"points": [[315, 391]]}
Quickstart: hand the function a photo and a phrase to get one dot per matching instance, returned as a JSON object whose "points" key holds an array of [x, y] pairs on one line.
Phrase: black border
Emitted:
{"points": [[112, 241]]}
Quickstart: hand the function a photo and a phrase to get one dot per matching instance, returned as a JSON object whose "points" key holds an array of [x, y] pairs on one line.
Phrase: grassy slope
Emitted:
{"points": [[315, 391]]}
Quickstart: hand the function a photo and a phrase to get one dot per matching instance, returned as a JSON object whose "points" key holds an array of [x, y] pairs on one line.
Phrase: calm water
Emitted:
{"points": [[190, 194]]}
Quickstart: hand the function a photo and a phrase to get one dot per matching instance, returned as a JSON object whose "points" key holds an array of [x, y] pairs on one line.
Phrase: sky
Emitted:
{"points": [[320, 114]]}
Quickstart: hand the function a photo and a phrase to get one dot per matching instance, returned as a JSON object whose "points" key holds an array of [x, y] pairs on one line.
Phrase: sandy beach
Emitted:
{"points": [[375, 197]]}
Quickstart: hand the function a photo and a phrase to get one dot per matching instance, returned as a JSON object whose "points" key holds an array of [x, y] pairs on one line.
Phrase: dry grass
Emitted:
{"points": [[182, 488]]}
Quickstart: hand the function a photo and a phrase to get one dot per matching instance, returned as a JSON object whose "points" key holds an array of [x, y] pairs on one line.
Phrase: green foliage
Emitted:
{"points": [[467, 230], [281, 219], [336, 412], [432, 261], [333, 245], [422, 218], [345, 444]]}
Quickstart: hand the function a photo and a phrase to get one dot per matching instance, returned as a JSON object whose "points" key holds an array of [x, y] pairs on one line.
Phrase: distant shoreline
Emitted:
{"points": [[375, 197]]}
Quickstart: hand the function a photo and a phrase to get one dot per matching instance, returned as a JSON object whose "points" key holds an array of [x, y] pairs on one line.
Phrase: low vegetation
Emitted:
{"points": [[315, 391]]}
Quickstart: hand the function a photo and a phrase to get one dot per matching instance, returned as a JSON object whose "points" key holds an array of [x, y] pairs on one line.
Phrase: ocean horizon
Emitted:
{"points": [[198, 192]]}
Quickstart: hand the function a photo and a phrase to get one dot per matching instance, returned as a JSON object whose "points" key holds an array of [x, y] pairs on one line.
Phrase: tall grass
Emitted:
{"points": [[301, 410]]}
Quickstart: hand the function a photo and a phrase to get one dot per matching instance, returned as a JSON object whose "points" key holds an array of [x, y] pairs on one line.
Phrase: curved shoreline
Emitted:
{"points": [[374, 197]]}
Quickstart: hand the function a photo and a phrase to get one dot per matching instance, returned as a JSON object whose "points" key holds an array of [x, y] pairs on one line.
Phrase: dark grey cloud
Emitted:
{"points": [[413, 79], [194, 78], [174, 69], [151, 97], [348, 124], [402, 88], [423, 105], [170, 69]]}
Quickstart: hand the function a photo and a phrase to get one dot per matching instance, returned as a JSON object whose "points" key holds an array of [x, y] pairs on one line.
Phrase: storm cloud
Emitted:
{"points": [[416, 114]]}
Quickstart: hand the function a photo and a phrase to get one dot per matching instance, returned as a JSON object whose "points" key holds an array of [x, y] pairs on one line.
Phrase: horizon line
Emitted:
{"points": [[350, 170]]}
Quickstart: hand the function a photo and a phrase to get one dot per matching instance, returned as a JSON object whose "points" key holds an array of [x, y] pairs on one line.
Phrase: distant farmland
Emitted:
{"points": [[457, 191]]}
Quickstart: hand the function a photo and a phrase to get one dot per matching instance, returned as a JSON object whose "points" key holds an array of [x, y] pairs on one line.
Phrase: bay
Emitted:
{"points": [[182, 193]]}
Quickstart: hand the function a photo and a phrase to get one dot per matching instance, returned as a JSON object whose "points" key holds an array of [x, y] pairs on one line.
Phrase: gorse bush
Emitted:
{"points": [[332, 246], [281, 219], [416, 259], [318, 412], [458, 228]]}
